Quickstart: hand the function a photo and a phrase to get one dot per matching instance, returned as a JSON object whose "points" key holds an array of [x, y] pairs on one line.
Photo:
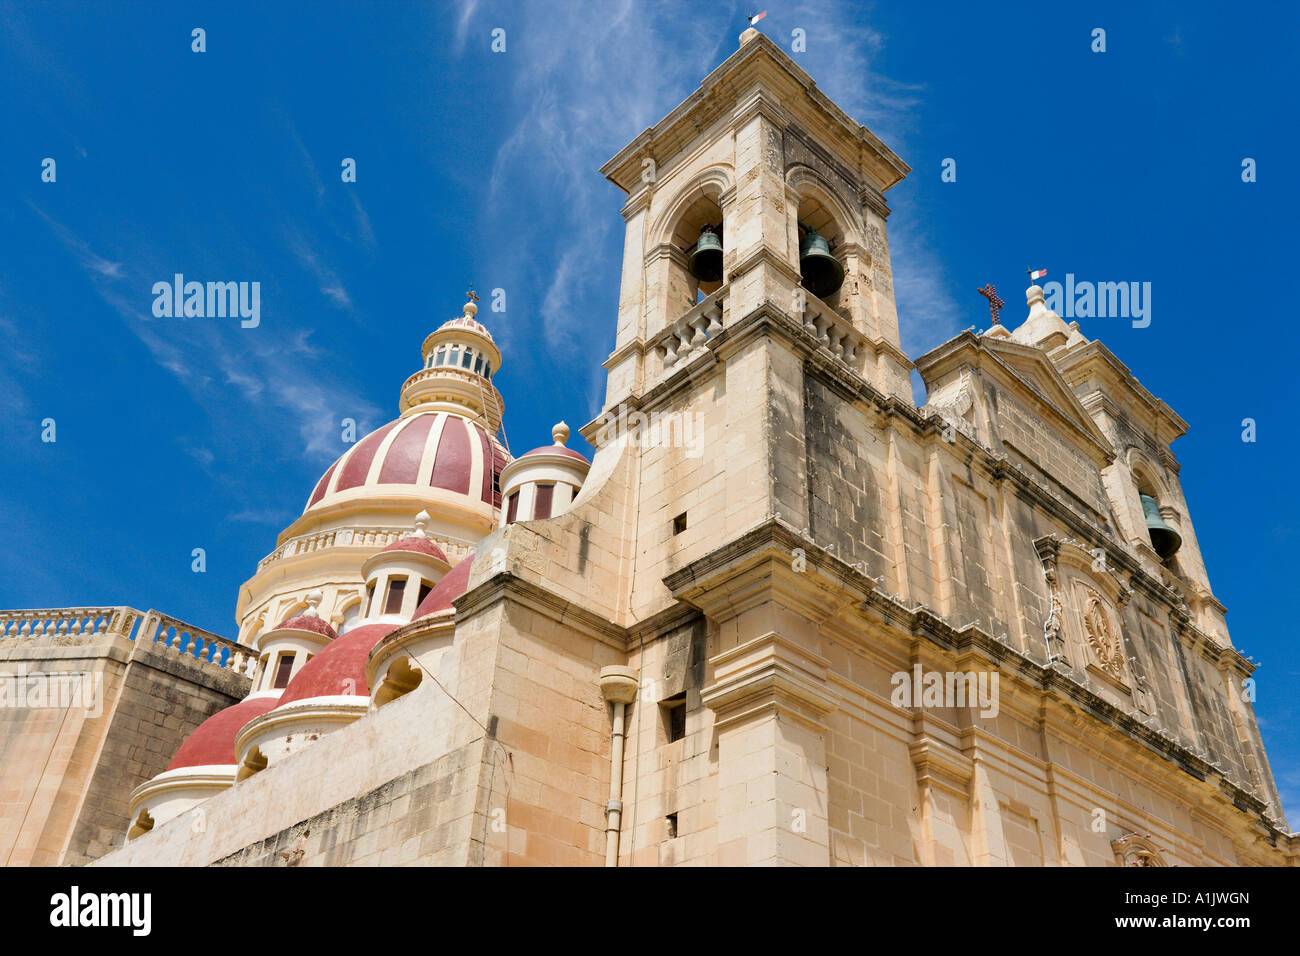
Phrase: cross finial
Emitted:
{"points": [[991, 293]]}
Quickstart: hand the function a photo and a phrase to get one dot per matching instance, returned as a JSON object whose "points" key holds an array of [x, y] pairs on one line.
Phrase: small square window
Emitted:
{"points": [[679, 523], [674, 709]]}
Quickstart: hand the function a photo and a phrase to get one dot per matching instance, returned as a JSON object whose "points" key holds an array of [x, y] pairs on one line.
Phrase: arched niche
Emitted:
{"points": [[819, 206], [402, 678], [1135, 850], [141, 825], [254, 762], [1088, 600], [676, 231]]}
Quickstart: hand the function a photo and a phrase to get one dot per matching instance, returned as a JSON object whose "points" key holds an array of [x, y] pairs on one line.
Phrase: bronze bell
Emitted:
{"points": [[1164, 539], [822, 273], [706, 260]]}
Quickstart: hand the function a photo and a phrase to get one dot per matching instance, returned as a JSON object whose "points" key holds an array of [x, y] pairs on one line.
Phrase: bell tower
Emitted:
{"points": [[761, 163]]}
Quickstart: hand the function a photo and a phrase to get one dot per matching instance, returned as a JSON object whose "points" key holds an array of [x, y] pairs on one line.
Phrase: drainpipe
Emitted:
{"points": [[618, 686]]}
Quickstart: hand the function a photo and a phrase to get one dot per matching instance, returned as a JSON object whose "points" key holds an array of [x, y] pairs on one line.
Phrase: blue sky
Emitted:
{"points": [[481, 166]]}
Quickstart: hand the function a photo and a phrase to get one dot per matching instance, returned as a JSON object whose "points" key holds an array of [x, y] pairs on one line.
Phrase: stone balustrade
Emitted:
{"points": [[834, 332], [65, 625], [79, 625], [370, 538], [687, 336], [182, 638]]}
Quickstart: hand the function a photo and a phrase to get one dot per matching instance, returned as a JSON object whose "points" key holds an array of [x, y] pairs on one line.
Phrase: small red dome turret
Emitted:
{"points": [[213, 741]]}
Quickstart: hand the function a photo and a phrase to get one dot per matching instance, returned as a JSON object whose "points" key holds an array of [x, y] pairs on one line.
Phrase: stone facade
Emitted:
{"points": [[722, 652]]}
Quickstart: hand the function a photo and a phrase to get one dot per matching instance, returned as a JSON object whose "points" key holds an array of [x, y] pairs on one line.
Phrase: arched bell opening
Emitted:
{"points": [[700, 236], [1164, 537], [821, 261], [400, 680]]}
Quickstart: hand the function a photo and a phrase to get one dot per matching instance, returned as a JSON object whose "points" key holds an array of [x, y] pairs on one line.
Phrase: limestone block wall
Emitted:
{"points": [[67, 771], [163, 697]]}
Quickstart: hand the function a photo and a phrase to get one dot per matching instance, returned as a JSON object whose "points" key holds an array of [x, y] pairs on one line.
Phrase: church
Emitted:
{"points": [[686, 650]]}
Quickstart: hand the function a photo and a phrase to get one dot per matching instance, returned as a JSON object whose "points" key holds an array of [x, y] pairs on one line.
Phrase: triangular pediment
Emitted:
{"points": [[1036, 372], [1024, 370]]}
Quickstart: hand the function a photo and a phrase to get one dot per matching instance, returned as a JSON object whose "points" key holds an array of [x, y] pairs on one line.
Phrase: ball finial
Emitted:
{"points": [[313, 601], [421, 523], [560, 433]]}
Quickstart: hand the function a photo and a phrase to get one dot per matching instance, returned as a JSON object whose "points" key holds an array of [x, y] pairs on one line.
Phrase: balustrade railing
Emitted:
{"points": [[688, 335], [67, 623], [56, 626], [374, 538], [835, 332]]}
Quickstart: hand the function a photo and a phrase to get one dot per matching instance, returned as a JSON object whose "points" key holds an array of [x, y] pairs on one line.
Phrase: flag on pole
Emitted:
{"points": [[1037, 275], [755, 17]]}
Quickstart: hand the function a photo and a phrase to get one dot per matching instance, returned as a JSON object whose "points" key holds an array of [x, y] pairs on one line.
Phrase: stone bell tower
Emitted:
{"points": [[762, 156]]}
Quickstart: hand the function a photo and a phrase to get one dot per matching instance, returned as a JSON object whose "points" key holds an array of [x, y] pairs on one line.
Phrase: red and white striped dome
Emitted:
{"points": [[413, 454]]}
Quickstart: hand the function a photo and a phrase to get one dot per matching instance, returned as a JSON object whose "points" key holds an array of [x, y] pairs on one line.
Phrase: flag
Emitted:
{"points": [[755, 17], [1037, 275]]}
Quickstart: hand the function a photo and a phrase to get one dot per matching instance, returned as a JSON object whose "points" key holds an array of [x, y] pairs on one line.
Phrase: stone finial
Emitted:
{"points": [[1042, 327], [313, 601], [560, 433], [748, 35], [421, 524]]}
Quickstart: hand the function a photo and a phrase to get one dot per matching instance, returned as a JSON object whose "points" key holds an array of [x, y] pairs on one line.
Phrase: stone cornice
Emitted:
{"points": [[769, 674], [756, 61], [208, 777]]}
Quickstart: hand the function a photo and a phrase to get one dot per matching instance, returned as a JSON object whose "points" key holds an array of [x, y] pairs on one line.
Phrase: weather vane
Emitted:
{"points": [[471, 294], [990, 293]]}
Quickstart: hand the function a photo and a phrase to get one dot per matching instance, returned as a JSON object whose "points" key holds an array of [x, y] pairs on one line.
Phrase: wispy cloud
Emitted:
{"points": [[261, 366], [331, 286]]}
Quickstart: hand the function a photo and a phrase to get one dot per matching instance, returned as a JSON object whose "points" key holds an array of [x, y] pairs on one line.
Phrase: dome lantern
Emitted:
{"points": [[459, 360]]}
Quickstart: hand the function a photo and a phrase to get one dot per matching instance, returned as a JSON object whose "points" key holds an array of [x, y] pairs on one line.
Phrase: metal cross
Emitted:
{"points": [[990, 293], [471, 295]]}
